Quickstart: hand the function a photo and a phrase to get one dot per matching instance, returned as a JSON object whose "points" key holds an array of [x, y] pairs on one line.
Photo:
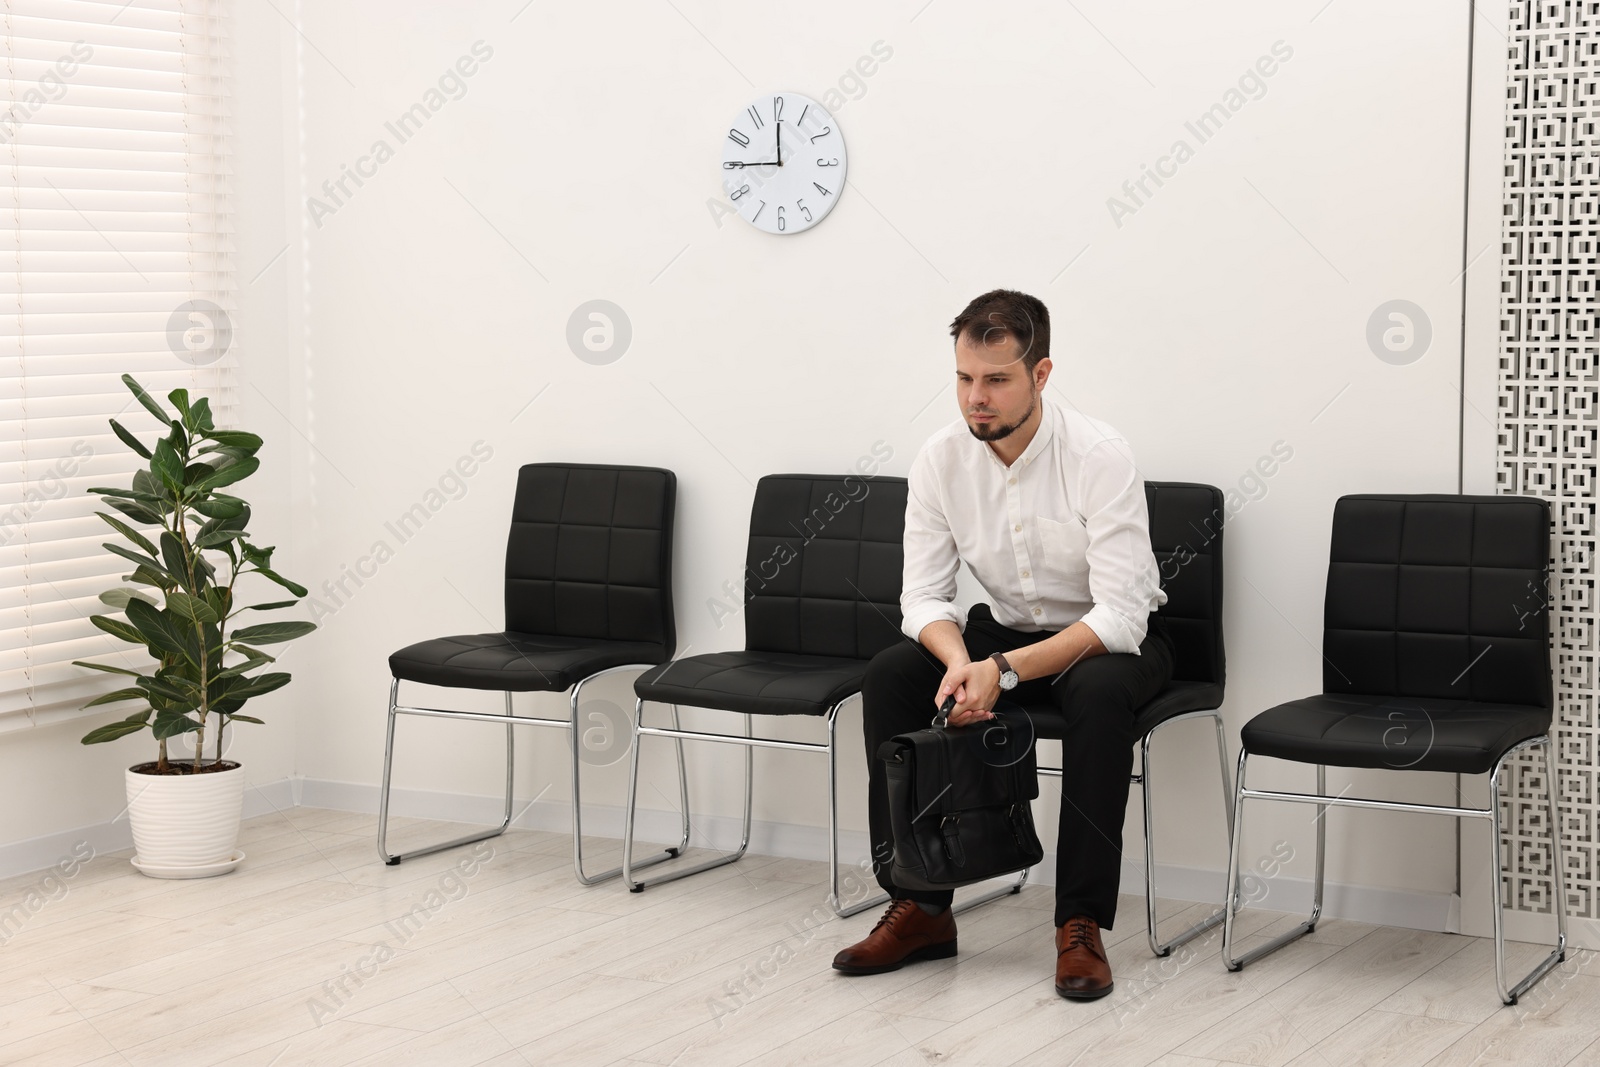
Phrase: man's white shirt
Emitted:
{"points": [[1061, 535]]}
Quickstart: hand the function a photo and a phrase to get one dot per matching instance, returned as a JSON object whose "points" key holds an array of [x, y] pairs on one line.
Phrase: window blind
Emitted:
{"points": [[116, 256]]}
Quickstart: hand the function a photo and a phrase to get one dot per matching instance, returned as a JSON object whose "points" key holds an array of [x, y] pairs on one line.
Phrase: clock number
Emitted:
{"points": [[825, 131], [755, 116], [804, 210], [801, 120], [828, 162], [820, 189], [781, 224], [738, 138], [777, 109], [737, 193], [757, 215]]}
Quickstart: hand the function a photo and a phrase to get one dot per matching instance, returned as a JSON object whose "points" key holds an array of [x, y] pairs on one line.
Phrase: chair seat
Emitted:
{"points": [[757, 683], [515, 662], [1399, 733], [1178, 698]]}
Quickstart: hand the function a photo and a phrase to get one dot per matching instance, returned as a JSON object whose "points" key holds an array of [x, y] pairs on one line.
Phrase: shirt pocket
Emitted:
{"points": [[1066, 546]]}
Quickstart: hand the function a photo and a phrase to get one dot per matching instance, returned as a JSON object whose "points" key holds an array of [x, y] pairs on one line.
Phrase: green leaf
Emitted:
{"points": [[233, 472], [174, 688], [116, 696], [245, 718], [105, 667], [174, 559], [254, 687], [114, 730], [220, 506], [146, 576], [180, 400], [191, 608], [220, 531], [236, 439], [131, 494], [143, 562], [248, 665], [178, 438], [151, 404], [161, 630], [270, 607], [136, 511], [129, 440], [294, 587], [268, 633], [253, 653], [118, 628], [129, 532], [118, 598], [148, 484], [166, 465], [172, 724], [200, 416]]}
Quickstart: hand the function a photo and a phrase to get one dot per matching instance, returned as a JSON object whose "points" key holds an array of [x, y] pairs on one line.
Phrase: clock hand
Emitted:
{"points": [[732, 165], [777, 138]]}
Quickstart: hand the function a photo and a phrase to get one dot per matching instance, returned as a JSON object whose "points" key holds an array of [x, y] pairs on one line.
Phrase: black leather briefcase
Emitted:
{"points": [[959, 802]]}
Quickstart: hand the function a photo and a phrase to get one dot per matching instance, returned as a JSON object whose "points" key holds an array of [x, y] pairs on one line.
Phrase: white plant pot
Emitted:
{"points": [[185, 820]]}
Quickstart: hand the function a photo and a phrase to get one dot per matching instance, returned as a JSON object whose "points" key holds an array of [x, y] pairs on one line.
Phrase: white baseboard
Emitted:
{"points": [[37, 853]]}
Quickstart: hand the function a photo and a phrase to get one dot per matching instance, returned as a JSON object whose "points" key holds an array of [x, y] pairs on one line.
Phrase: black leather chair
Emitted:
{"points": [[821, 598], [1436, 657], [1186, 537], [588, 592]]}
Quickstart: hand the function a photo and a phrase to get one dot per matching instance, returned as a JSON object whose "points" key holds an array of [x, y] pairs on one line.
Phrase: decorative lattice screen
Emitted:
{"points": [[1547, 393]]}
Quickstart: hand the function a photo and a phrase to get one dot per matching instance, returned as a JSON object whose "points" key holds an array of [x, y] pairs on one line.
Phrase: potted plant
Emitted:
{"points": [[181, 608]]}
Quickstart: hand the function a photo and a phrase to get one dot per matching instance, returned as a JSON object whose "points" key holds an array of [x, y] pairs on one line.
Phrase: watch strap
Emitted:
{"points": [[1000, 661]]}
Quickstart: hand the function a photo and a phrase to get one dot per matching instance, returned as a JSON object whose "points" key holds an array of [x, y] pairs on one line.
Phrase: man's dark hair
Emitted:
{"points": [[1003, 313]]}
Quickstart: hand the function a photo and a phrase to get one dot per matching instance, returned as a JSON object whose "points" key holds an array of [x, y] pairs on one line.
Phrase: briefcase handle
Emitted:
{"points": [[941, 718]]}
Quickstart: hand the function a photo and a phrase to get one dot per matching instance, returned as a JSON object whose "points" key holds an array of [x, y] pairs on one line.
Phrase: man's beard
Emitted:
{"points": [[1000, 433]]}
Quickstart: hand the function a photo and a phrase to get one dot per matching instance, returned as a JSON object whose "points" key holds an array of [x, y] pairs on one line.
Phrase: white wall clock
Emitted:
{"points": [[783, 163]]}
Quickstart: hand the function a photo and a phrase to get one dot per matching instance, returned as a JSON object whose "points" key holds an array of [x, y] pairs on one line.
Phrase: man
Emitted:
{"points": [[1046, 508]]}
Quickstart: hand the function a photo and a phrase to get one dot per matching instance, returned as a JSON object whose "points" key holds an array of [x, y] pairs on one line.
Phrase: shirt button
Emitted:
{"points": [[1036, 611], [1024, 574], [1012, 482], [1017, 527]]}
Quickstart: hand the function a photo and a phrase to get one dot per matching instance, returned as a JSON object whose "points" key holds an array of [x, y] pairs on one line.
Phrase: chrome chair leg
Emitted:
{"points": [[630, 817], [577, 799], [1557, 861], [1009, 889], [1233, 901], [1209, 922], [393, 859], [835, 897], [511, 720]]}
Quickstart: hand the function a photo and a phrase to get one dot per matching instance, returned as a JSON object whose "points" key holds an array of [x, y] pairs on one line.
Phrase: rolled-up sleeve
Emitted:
{"points": [[928, 583], [1124, 581]]}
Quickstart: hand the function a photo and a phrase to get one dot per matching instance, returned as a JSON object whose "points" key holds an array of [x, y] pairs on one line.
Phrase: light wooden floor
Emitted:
{"points": [[516, 963]]}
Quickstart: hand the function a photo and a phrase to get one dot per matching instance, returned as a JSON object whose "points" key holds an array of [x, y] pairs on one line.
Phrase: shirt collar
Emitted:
{"points": [[1036, 447]]}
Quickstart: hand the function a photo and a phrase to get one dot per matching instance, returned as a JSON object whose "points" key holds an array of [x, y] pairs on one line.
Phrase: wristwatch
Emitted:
{"points": [[1008, 677]]}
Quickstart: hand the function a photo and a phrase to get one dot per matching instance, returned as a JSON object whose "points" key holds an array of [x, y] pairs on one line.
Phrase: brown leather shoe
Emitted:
{"points": [[904, 935], [1082, 970]]}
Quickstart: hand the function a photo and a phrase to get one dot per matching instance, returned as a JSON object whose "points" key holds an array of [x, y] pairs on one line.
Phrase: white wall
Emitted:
{"points": [[1227, 313]]}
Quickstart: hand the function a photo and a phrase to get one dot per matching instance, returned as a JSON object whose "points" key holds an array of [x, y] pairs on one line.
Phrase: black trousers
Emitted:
{"points": [[1097, 697]]}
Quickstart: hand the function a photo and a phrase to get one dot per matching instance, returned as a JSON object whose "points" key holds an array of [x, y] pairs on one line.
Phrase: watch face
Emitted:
{"points": [[783, 163]]}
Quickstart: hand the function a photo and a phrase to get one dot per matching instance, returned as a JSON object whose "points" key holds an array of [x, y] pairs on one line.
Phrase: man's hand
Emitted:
{"points": [[977, 689]]}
